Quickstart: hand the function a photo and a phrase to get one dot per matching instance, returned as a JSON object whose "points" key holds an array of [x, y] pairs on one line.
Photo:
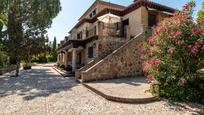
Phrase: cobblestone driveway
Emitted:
{"points": [[42, 91]]}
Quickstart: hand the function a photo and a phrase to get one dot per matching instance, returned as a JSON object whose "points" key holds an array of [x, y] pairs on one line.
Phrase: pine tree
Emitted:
{"points": [[54, 47]]}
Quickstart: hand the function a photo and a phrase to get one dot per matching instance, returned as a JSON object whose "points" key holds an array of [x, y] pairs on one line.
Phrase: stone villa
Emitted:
{"points": [[98, 50]]}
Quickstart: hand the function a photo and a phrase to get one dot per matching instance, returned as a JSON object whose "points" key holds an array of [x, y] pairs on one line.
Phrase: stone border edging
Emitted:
{"points": [[121, 99], [60, 72], [6, 70]]}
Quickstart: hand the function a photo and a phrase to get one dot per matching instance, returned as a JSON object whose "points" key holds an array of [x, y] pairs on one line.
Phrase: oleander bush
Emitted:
{"points": [[173, 56]]}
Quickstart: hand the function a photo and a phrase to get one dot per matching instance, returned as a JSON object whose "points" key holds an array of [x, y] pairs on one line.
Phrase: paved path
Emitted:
{"points": [[42, 91], [136, 87]]}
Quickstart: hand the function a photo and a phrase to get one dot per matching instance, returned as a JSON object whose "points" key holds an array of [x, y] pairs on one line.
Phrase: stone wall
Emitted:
{"points": [[124, 62], [106, 45], [95, 51], [135, 20]]}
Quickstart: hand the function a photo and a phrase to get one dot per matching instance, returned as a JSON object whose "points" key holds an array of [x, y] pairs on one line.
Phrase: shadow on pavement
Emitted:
{"points": [[38, 82]]}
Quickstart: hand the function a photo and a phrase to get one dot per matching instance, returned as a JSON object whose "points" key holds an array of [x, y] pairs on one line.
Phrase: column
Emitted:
{"points": [[74, 59], [82, 57], [60, 58], [57, 58], [65, 59]]}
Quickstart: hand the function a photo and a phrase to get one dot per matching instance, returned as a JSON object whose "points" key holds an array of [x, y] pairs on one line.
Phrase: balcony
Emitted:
{"points": [[91, 32]]}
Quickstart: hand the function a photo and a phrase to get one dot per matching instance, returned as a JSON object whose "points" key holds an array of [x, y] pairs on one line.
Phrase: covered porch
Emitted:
{"points": [[73, 54], [71, 57]]}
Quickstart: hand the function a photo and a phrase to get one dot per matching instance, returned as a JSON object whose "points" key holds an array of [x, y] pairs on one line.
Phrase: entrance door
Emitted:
{"points": [[152, 20], [79, 58], [125, 23]]}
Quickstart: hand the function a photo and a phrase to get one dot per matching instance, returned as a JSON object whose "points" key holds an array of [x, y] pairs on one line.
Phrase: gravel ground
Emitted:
{"points": [[42, 91]]}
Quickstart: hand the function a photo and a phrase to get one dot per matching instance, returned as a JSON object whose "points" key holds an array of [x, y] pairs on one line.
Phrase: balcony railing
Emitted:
{"points": [[113, 31], [91, 32]]}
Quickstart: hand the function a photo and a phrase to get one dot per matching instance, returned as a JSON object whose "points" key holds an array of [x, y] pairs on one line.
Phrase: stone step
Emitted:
{"points": [[125, 90], [64, 73]]}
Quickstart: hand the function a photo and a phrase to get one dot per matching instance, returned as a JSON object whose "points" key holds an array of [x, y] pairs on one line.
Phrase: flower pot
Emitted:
{"points": [[27, 67]]}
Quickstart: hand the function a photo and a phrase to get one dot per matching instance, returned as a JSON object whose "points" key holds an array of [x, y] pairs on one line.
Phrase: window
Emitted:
{"points": [[94, 13], [125, 22], [79, 35], [124, 30], [152, 20], [90, 52]]}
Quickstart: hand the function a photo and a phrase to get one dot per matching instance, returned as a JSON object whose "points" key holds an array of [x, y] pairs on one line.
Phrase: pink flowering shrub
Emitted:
{"points": [[173, 55]]}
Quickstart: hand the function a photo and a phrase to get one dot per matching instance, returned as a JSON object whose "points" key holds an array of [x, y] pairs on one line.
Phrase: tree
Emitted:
{"points": [[3, 18], [54, 48], [200, 19], [173, 55], [3, 21], [28, 20], [3, 56]]}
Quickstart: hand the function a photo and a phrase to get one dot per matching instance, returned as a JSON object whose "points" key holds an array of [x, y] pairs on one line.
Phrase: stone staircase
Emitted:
{"points": [[110, 44], [123, 61], [90, 64]]}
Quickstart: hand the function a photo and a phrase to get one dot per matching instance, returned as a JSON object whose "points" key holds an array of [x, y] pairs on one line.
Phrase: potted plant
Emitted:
{"points": [[27, 66]]}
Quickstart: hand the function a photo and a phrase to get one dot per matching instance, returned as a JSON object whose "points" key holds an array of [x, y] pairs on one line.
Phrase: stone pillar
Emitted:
{"points": [[65, 59], [82, 57], [74, 59], [60, 58], [57, 58]]}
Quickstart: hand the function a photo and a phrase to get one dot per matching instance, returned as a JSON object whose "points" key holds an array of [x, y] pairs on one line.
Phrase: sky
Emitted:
{"points": [[73, 9]]}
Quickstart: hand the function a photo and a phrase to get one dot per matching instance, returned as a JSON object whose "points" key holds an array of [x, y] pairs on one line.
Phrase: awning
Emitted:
{"points": [[109, 18]]}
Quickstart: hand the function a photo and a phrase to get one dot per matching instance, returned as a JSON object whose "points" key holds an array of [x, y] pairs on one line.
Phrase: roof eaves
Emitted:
{"points": [[146, 3], [103, 3]]}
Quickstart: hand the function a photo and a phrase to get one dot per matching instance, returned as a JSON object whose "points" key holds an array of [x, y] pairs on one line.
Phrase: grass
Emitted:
{"points": [[7, 66]]}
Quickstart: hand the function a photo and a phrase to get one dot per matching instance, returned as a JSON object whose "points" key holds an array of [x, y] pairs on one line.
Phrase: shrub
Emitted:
{"points": [[68, 68], [62, 66], [42, 59], [51, 58], [39, 59], [173, 55], [3, 59], [35, 60], [28, 67]]}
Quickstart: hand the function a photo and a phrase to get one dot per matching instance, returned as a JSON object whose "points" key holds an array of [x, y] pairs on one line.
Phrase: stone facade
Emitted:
{"points": [[103, 51], [124, 62]]}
